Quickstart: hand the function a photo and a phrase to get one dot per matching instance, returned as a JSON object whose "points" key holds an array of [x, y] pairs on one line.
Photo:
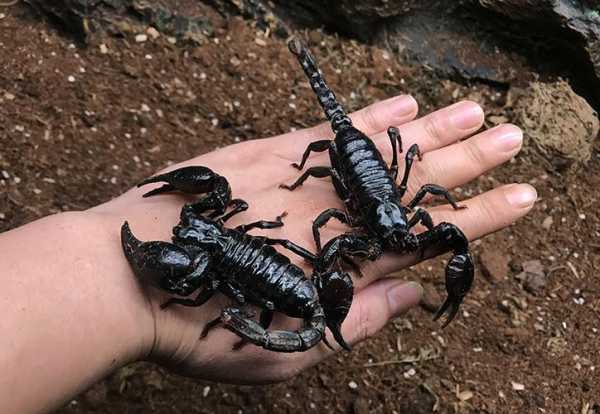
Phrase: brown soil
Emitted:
{"points": [[70, 145]]}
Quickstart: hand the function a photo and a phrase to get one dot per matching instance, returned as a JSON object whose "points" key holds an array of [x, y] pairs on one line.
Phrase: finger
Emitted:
{"points": [[462, 162], [370, 120], [372, 308], [436, 130], [485, 214]]}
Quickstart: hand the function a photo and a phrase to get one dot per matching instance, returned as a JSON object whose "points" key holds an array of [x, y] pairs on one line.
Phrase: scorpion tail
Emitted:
{"points": [[281, 341], [333, 110]]}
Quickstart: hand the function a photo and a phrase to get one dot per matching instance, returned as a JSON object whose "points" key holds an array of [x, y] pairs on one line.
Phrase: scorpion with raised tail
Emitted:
{"points": [[206, 256], [367, 186]]}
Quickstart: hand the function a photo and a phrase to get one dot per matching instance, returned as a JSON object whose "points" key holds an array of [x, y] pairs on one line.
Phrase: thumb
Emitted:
{"points": [[375, 305]]}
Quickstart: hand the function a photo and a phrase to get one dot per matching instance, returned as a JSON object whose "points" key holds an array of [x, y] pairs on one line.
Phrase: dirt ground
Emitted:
{"points": [[79, 125]]}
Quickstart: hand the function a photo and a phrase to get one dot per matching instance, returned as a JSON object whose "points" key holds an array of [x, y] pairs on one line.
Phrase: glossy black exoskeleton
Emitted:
{"points": [[368, 189], [205, 255]]}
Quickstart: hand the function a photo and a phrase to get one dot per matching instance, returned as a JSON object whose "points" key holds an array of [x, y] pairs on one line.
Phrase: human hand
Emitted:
{"points": [[256, 168]]}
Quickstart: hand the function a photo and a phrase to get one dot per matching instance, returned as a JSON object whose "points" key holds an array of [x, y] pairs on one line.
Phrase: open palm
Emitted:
{"points": [[255, 169]]}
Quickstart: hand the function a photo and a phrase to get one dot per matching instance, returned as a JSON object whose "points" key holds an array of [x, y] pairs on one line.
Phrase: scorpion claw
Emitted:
{"points": [[337, 334], [296, 165]]}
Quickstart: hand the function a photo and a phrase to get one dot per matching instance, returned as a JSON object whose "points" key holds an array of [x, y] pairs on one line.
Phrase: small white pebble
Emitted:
{"points": [[410, 373], [19, 128], [288, 395], [205, 391], [153, 33], [17, 180], [172, 40], [312, 406], [145, 108], [582, 216], [579, 301], [9, 96], [477, 349], [159, 113], [148, 57], [2, 16], [517, 387], [2, 216], [103, 49], [214, 122], [5, 174], [113, 180], [141, 38], [136, 159], [352, 385], [71, 46], [81, 69], [37, 191], [71, 78], [127, 135], [143, 131], [292, 105]]}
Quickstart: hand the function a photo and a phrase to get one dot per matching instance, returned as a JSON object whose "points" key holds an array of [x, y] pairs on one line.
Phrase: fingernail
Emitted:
{"points": [[509, 138], [404, 105], [466, 115], [521, 195], [403, 296]]}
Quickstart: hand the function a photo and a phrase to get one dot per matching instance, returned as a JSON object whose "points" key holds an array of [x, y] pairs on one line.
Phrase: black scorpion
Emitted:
{"points": [[207, 256], [368, 189]]}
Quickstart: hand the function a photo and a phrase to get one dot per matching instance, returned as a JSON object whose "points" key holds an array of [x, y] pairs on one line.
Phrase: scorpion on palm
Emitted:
{"points": [[206, 256], [367, 186]]}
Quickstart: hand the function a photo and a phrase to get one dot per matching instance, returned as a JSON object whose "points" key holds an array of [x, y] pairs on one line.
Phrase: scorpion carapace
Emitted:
{"points": [[372, 199], [206, 256]]}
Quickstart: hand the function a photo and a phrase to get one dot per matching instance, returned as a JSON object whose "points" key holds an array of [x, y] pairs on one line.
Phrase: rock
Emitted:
{"points": [[85, 17], [533, 277], [502, 41], [547, 223], [564, 140], [431, 300], [494, 265]]}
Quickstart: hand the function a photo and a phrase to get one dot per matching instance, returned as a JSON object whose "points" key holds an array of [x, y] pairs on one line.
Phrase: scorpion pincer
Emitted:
{"points": [[207, 257], [367, 186]]}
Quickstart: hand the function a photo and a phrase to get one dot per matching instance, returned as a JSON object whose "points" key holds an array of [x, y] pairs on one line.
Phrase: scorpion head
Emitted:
{"points": [[389, 222], [197, 230]]}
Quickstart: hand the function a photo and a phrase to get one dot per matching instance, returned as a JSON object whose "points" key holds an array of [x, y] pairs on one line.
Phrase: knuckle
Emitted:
{"points": [[434, 128], [369, 119]]}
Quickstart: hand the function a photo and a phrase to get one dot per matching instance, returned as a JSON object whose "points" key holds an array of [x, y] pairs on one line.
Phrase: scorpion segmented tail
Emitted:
{"points": [[281, 341], [333, 110]]}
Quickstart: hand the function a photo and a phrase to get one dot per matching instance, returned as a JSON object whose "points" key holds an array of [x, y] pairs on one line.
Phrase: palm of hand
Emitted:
{"points": [[255, 169]]}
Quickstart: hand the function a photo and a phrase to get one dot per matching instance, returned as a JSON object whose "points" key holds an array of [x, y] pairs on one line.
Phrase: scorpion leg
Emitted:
{"points": [[317, 146], [423, 217], [262, 224], [394, 135], [322, 220], [412, 152], [238, 205], [459, 270], [283, 341], [200, 300], [435, 190], [293, 247], [319, 172], [210, 325]]}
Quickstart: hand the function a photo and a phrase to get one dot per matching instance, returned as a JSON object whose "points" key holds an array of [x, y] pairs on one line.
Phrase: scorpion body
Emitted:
{"points": [[205, 255], [372, 199]]}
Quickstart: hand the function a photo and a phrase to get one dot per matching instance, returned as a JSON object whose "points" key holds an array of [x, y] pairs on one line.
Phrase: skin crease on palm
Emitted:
{"points": [[453, 154]]}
